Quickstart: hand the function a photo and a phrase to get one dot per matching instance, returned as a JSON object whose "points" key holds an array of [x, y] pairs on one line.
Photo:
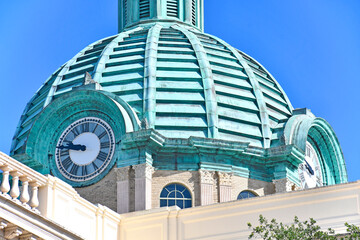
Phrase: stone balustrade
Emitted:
{"points": [[53, 209], [20, 183]]}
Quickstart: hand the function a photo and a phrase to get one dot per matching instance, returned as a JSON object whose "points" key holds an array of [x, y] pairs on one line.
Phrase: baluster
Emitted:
{"points": [[15, 191], [5, 185], [34, 201], [25, 197]]}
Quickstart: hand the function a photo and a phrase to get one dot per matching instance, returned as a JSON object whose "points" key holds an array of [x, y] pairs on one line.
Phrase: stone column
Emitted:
{"points": [[225, 188], [122, 191], [206, 187], [143, 181]]}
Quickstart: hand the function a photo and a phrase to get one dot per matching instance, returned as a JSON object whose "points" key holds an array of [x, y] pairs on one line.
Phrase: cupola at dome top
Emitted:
{"points": [[133, 12]]}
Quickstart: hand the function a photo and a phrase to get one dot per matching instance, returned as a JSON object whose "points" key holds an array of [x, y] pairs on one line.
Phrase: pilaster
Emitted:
{"points": [[143, 181], [225, 186], [187, 11], [206, 187], [284, 185], [123, 194]]}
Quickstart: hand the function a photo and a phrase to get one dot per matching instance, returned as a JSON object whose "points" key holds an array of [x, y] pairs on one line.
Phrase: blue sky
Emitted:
{"points": [[312, 47]]}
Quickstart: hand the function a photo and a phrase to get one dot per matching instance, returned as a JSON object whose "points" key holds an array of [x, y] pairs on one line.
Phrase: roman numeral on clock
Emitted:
{"points": [[67, 162], [75, 131], [94, 166], [93, 131], [318, 180], [85, 127], [84, 170], [102, 156], [102, 135], [302, 177], [64, 153], [74, 169], [105, 145]]}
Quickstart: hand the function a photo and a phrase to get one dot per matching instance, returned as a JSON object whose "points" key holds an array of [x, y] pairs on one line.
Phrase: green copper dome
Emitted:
{"points": [[168, 95], [184, 82]]}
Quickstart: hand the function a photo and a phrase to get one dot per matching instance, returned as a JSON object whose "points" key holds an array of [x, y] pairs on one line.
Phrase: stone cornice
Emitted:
{"points": [[143, 138], [157, 143], [212, 154]]}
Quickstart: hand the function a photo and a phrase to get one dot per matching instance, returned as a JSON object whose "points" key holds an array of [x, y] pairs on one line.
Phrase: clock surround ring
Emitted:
{"points": [[66, 109], [88, 170]]}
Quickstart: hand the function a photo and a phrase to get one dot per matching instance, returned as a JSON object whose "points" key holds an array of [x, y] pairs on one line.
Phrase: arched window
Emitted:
{"points": [[246, 194], [175, 194]]}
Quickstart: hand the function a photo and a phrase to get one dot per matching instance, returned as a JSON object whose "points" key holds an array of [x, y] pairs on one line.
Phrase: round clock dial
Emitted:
{"points": [[85, 149], [310, 170]]}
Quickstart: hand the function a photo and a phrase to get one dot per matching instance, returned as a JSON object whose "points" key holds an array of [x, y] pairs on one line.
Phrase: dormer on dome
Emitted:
{"points": [[133, 12]]}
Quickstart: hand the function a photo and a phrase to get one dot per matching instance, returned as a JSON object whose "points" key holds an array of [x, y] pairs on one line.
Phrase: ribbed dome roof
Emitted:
{"points": [[185, 83]]}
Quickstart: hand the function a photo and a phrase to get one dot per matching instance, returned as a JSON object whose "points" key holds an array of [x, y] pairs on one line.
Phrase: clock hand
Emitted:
{"points": [[71, 146], [77, 147], [62, 147], [309, 168]]}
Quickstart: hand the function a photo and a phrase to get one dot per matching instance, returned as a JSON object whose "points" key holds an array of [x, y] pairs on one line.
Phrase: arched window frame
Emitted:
{"points": [[247, 191], [187, 199]]}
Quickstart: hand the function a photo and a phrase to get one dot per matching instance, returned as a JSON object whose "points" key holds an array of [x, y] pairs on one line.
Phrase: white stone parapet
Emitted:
{"points": [[25, 191]]}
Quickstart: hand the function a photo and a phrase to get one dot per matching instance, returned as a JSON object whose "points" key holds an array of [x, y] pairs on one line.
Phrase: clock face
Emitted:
{"points": [[85, 149], [310, 170]]}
